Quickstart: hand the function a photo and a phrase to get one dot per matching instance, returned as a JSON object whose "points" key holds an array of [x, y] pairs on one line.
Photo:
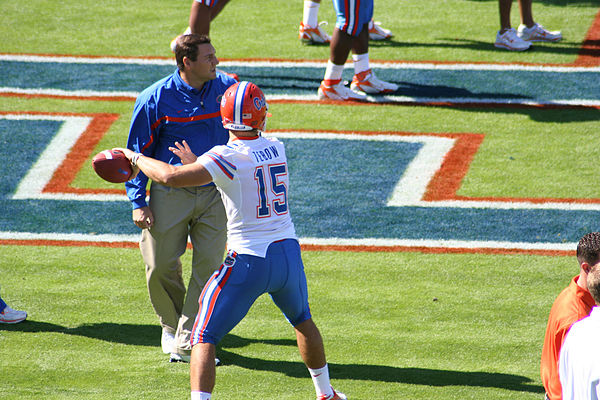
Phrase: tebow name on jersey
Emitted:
{"points": [[266, 154]]}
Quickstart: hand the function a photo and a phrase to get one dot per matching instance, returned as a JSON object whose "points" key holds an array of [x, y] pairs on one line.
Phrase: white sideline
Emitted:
{"points": [[35, 58], [366, 242]]}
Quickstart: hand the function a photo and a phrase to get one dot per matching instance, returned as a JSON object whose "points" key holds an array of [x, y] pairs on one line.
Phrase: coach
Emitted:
{"points": [[180, 108]]}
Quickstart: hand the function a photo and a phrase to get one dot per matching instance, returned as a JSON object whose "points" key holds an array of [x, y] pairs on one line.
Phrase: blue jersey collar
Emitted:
{"points": [[183, 86]]}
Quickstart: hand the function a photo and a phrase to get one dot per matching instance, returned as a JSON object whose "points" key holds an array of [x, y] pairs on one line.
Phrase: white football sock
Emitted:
{"points": [[361, 62], [320, 378], [310, 16], [200, 396], [333, 71]]}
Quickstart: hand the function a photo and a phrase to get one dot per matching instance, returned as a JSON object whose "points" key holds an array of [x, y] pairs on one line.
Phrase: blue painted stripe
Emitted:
{"points": [[535, 86]]}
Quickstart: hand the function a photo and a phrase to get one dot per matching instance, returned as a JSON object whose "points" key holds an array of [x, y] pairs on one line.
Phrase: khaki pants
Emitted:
{"points": [[197, 213]]}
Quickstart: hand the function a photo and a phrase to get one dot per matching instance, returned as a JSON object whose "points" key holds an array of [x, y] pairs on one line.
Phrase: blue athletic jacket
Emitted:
{"points": [[171, 111]]}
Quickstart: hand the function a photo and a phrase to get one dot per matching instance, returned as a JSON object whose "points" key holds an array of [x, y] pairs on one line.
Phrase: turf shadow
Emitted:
{"points": [[563, 47], [382, 373], [231, 341], [547, 114], [133, 334]]}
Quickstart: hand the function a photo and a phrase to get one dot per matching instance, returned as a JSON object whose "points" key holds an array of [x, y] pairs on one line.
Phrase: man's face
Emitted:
{"points": [[205, 66]]}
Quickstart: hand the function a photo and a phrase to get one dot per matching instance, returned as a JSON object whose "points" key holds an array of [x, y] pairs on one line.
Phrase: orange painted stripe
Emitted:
{"points": [[80, 153], [314, 247], [589, 55]]}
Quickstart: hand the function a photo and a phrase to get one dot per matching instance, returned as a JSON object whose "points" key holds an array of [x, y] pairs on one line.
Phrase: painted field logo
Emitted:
{"points": [[408, 202]]}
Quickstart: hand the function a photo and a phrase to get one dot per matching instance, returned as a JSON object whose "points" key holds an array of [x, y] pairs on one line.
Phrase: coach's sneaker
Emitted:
{"points": [[10, 316], [334, 89], [167, 341], [367, 82], [335, 396], [176, 357], [537, 33], [174, 41], [510, 41], [313, 35], [376, 32]]}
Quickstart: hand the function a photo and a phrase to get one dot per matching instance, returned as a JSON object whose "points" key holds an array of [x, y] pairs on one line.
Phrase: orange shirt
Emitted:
{"points": [[571, 305]]}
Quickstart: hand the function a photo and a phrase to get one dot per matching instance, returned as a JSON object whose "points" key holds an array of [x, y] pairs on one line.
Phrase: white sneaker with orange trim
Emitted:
{"points": [[367, 82], [313, 35], [334, 89], [336, 396], [376, 32], [10, 316], [537, 33], [510, 41]]}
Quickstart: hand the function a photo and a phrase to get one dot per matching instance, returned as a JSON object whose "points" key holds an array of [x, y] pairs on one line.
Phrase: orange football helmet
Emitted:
{"points": [[244, 107]]}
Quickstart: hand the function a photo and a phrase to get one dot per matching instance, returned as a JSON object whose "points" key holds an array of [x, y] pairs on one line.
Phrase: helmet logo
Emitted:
{"points": [[259, 102]]}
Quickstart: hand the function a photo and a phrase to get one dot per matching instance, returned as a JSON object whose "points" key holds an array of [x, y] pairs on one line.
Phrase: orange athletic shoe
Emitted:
{"points": [[316, 35], [367, 82], [334, 89]]}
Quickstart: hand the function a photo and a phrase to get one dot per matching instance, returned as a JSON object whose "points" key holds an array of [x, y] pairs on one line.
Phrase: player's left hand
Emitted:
{"points": [[183, 151]]}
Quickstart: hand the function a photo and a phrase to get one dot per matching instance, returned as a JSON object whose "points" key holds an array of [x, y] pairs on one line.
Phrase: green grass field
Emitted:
{"points": [[91, 332]]}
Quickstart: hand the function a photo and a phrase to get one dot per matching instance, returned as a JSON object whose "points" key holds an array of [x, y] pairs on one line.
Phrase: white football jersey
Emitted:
{"points": [[252, 176]]}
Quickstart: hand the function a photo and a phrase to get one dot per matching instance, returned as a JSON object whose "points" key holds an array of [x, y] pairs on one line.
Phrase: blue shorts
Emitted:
{"points": [[208, 3], [351, 18], [241, 279]]}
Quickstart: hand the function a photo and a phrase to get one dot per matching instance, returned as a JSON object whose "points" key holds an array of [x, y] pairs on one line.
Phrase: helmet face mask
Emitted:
{"points": [[244, 107]]}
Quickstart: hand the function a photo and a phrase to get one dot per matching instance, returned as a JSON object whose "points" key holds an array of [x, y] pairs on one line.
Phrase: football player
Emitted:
{"points": [[251, 173]]}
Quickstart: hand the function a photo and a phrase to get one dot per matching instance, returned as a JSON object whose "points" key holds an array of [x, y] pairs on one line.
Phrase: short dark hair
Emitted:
{"points": [[588, 249], [187, 46]]}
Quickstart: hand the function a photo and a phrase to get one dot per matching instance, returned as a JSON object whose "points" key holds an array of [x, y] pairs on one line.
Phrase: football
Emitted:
{"points": [[112, 166]]}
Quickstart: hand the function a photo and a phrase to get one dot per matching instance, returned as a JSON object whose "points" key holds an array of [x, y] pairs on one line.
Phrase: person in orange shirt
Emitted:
{"points": [[572, 304]]}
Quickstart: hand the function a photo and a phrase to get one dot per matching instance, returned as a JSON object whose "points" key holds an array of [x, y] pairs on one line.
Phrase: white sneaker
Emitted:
{"points": [[367, 82], [334, 89], [167, 341], [537, 33], [510, 41], [176, 357], [174, 41], [10, 316], [313, 35], [376, 32]]}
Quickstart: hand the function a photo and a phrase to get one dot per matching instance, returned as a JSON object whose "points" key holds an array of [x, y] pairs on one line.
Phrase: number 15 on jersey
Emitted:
{"points": [[272, 189]]}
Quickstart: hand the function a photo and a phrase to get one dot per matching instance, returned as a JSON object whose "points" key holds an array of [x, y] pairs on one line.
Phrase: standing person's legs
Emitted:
{"points": [[526, 13], [504, 8], [161, 247], [208, 234]]}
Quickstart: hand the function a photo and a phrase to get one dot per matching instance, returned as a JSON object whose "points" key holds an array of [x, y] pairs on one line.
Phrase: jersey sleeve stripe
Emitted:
{"points": [[221, 164]]}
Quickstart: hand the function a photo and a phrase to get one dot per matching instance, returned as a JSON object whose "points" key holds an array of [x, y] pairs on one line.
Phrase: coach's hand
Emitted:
{"points": [[143, 218]]}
